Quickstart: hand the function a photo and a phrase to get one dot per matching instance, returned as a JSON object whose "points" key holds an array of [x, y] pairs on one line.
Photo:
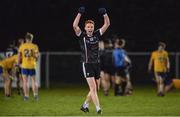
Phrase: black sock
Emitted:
{"points": [[123, 87], [118, 89]]}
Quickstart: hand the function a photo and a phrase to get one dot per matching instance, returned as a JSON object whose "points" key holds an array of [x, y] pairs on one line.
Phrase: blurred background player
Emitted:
{"points": [[101, 52], [11, 50], [170, 84], [160, 60], [27, 56], [108, 67], [89, 43], [122, 63], [7, 72], [18, 74]]}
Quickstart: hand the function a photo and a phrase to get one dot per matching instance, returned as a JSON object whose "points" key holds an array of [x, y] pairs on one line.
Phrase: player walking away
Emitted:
{"points": [[108, 67], [121, 62], [90, 55], [160, 60], [28, 54]]}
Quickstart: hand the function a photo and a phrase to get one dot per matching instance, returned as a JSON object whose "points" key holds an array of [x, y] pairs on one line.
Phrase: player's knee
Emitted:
{"points": [[93, 89]]}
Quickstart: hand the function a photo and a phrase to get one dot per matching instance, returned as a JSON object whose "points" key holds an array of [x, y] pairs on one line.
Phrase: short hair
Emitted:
{"points": [[120, 42], [29, 36], [162, 44], [89, 21]]}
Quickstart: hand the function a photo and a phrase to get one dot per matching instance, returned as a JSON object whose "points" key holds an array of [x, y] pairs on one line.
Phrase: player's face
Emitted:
{"points": [[29, 40], [20, 41], [160, 48], [116, 45], [89, 28]]}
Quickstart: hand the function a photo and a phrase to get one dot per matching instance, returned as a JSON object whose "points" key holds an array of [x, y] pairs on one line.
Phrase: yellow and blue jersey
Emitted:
{"points": [[160, 60], [28, 55]]}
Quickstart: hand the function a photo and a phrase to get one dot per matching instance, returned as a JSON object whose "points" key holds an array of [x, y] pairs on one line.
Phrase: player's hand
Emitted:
{"points": [[81, 10], [17, 65], [102, 11]]}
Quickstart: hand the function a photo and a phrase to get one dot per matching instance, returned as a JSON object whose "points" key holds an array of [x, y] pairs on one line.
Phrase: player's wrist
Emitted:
{"points": [[105, 15]]}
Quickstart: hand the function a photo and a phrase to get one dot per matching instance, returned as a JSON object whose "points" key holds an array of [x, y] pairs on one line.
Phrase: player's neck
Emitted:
{"points": [[89, 34], [160, 51], [28, 42]]}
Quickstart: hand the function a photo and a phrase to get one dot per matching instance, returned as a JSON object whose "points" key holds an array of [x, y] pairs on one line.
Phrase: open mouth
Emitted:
{"points": [[90, 31]]}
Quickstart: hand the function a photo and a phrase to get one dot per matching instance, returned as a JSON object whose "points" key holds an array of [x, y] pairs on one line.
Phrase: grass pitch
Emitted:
{"points": [[66, 101]]}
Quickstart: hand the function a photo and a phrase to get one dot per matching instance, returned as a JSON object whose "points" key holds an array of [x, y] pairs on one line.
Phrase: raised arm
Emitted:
{"points": [[106, 20], [76, 27]]}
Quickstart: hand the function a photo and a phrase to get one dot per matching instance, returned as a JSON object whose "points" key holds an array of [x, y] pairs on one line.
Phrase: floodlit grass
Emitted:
{"points": [[66, 101]]}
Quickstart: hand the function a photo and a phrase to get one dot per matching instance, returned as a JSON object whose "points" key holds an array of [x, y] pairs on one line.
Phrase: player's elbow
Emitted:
{"points": [[75, 27], [108, 23]]}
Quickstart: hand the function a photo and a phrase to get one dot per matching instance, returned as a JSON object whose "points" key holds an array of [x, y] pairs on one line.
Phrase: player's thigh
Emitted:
{"points": [[120, 75], [102, 74], [96, 70], [25, 74], [107, 76], [91, 83], [160, 77], [87, 70]]}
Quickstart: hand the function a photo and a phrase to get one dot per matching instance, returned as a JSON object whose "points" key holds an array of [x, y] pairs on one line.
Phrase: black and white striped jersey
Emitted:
{"points": [[90, 47]]}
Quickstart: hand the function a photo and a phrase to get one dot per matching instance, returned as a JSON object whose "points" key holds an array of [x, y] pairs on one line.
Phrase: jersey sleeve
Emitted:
{"points": [[36, 49], [166, 54], [20, 49], [98, 33], [124, 54], [81, 35], [152, 56]]}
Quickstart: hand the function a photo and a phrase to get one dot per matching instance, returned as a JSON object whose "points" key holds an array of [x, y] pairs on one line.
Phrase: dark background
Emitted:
{"points": [[141, 22]]}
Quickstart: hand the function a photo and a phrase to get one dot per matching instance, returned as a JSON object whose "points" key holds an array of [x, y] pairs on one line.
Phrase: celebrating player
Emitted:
{"points": [[90, 55], [28, 54], [160, 60]]}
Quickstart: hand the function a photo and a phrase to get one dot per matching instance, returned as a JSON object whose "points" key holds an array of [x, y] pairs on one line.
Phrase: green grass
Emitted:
{"points": [[66, 101]]}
